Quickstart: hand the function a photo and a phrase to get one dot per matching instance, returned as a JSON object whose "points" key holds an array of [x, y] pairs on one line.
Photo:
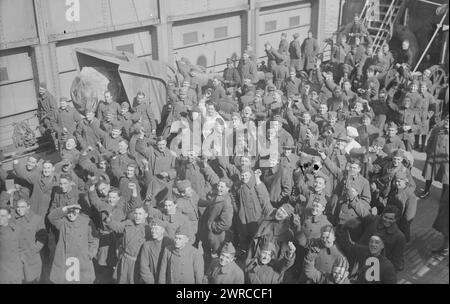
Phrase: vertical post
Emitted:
{"points": [[252, 19], [45, 67], [444, 51], [162, 39]]}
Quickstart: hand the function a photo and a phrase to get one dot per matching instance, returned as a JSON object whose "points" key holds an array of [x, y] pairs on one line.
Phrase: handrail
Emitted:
{"points": [[364, 10], [388, 16]]}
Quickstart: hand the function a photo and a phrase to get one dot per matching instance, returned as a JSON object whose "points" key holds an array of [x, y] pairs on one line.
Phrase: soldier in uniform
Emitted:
{"points": [[310, 49], [295, 53], [224, 270]]}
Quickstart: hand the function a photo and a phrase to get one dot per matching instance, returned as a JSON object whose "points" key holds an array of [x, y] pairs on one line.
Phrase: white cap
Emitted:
{"points": [[352, 132]]}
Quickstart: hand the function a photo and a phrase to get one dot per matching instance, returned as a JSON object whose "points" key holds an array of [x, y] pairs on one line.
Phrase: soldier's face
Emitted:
{"points": [[64, 184], [123, 111], [113, 198], [222, 188], [31, 163], [392, 132], [319, 184], [337, 93], [375, 245], [102, 165], [426, 74], [4, 217], [140, 99], [245, 177], [328, 238], [423, 89], [366, 121], [281, 214], [323, 109], [170, 207], [347, 86], [225, 259], [247, 112], [306, 118], [317, 209], [265, 257], [405, 45], [42, 91], [245, 57], [292, 75], [22, 208], [123, 147], [115, 133], [130, 172], [157, 232], [108, 97], [339, 274], [140, 216], [388, 219], [180, 241], [103, 189], [396, 161], [161, 145], [47, 169], [354, 169], [73, 214]]}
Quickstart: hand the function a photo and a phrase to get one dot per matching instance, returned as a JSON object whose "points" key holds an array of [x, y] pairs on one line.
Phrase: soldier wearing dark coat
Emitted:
{"points": [[231, 77], [224, 270], [266, 269], [10, 264], [32, 238], [47, 109], [152, 252], [77, 246], [295, 52], [181, 262], [310, 49]]}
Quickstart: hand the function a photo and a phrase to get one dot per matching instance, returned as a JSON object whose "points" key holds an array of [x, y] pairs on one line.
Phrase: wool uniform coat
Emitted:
{"points": [[271, 273], [310, 227], [68, 118], [134, 236], [231, 77], [145, 111], [119, 164], [78, 239], [47, 107], [310, 49], [10, 264], [253, 204], [436, 164], [360, 254], [181, 266], [228, 274], [279, 233], [106, 108], [173, 221], [150, 259], [42, 188], [321, 261], [406, 201], [394, 239], [392, 144], [216, 221], [87, 133], [189, 208], [279, 183], [247, 69], [295, 53], [32, 238]]}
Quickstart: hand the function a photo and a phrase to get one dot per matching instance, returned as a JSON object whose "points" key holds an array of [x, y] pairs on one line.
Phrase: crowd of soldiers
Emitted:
{"points": [[127, 205]]}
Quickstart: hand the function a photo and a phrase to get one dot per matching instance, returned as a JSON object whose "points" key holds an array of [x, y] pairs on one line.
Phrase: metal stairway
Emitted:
{"points": [[379, 17]]}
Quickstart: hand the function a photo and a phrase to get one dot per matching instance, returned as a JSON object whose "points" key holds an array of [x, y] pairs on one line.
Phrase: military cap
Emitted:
{"points": [[116, 125], [292, 70], [125, 105], [379, 141], [296, 35], [392, 125], [182, 185], [367, 115], [327, 228], [43, 84], [158, 222], [228, 248], [398, 153], [185, 229]]}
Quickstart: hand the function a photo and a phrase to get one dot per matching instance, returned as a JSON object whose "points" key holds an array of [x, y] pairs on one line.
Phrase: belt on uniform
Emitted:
{"points": [[130, 257]]}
